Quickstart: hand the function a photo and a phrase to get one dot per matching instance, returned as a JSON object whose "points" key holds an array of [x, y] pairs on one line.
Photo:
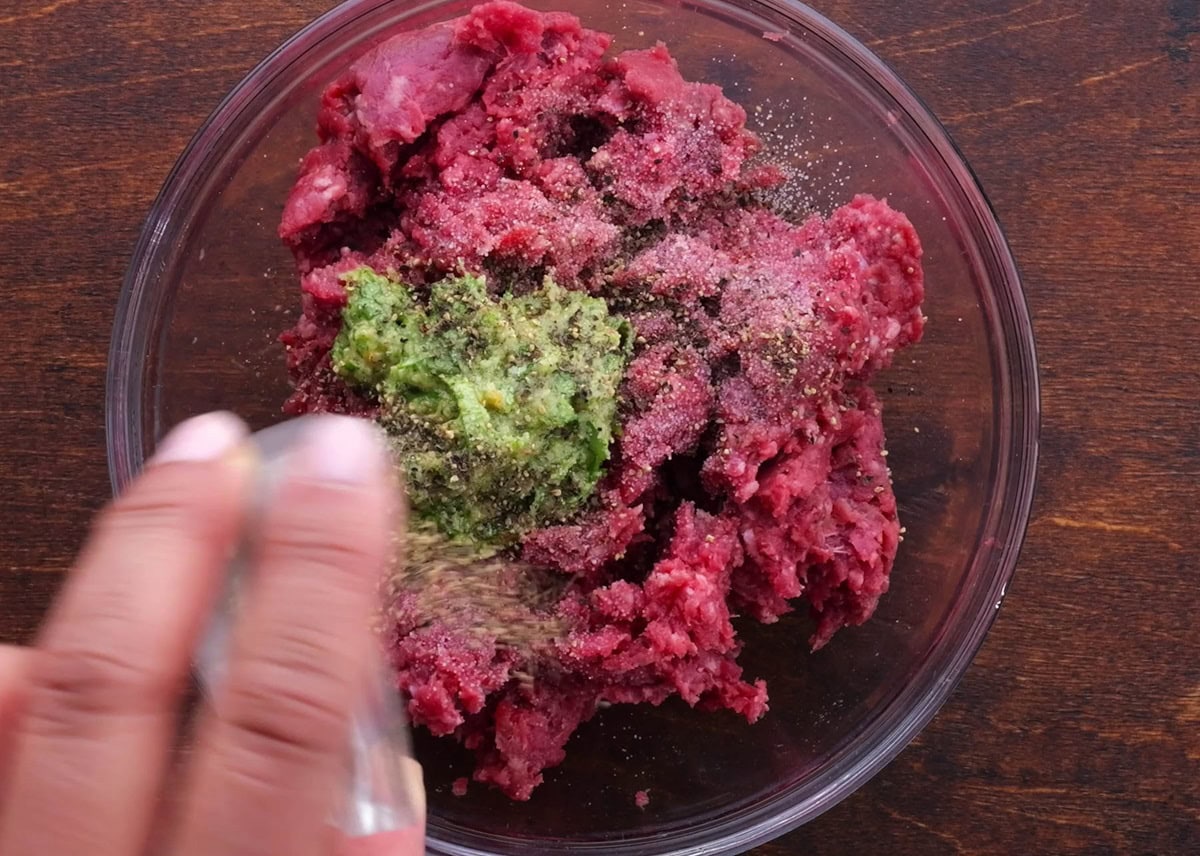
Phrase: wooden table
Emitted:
{"points": [[1077, 730]]}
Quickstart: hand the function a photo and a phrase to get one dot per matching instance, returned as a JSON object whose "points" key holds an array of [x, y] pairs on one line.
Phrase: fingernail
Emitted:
{"points": [[201, 438], [414, 779], [344, 449]]}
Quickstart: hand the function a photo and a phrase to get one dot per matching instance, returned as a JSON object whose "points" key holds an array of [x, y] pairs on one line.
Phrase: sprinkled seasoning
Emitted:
{"points": [[486, 593]]}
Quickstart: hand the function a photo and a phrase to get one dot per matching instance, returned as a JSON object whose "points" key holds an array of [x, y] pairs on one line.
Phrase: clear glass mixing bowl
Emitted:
{"points": [[211, 286]]}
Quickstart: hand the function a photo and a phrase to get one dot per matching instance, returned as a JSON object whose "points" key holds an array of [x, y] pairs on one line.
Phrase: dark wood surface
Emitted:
{"points": [[1077, 730]]}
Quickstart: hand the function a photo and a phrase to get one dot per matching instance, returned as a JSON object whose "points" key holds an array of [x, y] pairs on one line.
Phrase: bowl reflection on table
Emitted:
{"points": [[211, 287]]}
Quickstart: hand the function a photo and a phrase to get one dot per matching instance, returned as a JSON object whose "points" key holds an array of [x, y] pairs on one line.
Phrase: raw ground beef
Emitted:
{"points": [[750, 467]]}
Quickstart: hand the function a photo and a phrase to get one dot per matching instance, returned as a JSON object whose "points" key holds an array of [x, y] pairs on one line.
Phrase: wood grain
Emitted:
{"points": [[1077, 730]]}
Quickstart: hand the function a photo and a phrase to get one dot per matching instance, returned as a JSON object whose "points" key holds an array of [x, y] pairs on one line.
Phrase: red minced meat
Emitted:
{"points": [[749, 474]]}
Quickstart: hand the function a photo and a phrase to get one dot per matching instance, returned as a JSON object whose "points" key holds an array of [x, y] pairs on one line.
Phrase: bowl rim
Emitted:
{"points": [[900, 722]]}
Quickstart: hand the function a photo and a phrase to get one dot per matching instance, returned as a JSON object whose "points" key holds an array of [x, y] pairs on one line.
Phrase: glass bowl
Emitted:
{"points": [[211, 286]]}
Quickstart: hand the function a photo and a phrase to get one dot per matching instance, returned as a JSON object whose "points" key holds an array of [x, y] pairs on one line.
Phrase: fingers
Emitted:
{"points": [[103, 683], [402, 842], [12, 686], [273, 756], [13, 662]]}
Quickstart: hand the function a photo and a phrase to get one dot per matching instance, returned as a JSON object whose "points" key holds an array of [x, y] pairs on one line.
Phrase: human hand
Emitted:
{"points": [[88, 715]]}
